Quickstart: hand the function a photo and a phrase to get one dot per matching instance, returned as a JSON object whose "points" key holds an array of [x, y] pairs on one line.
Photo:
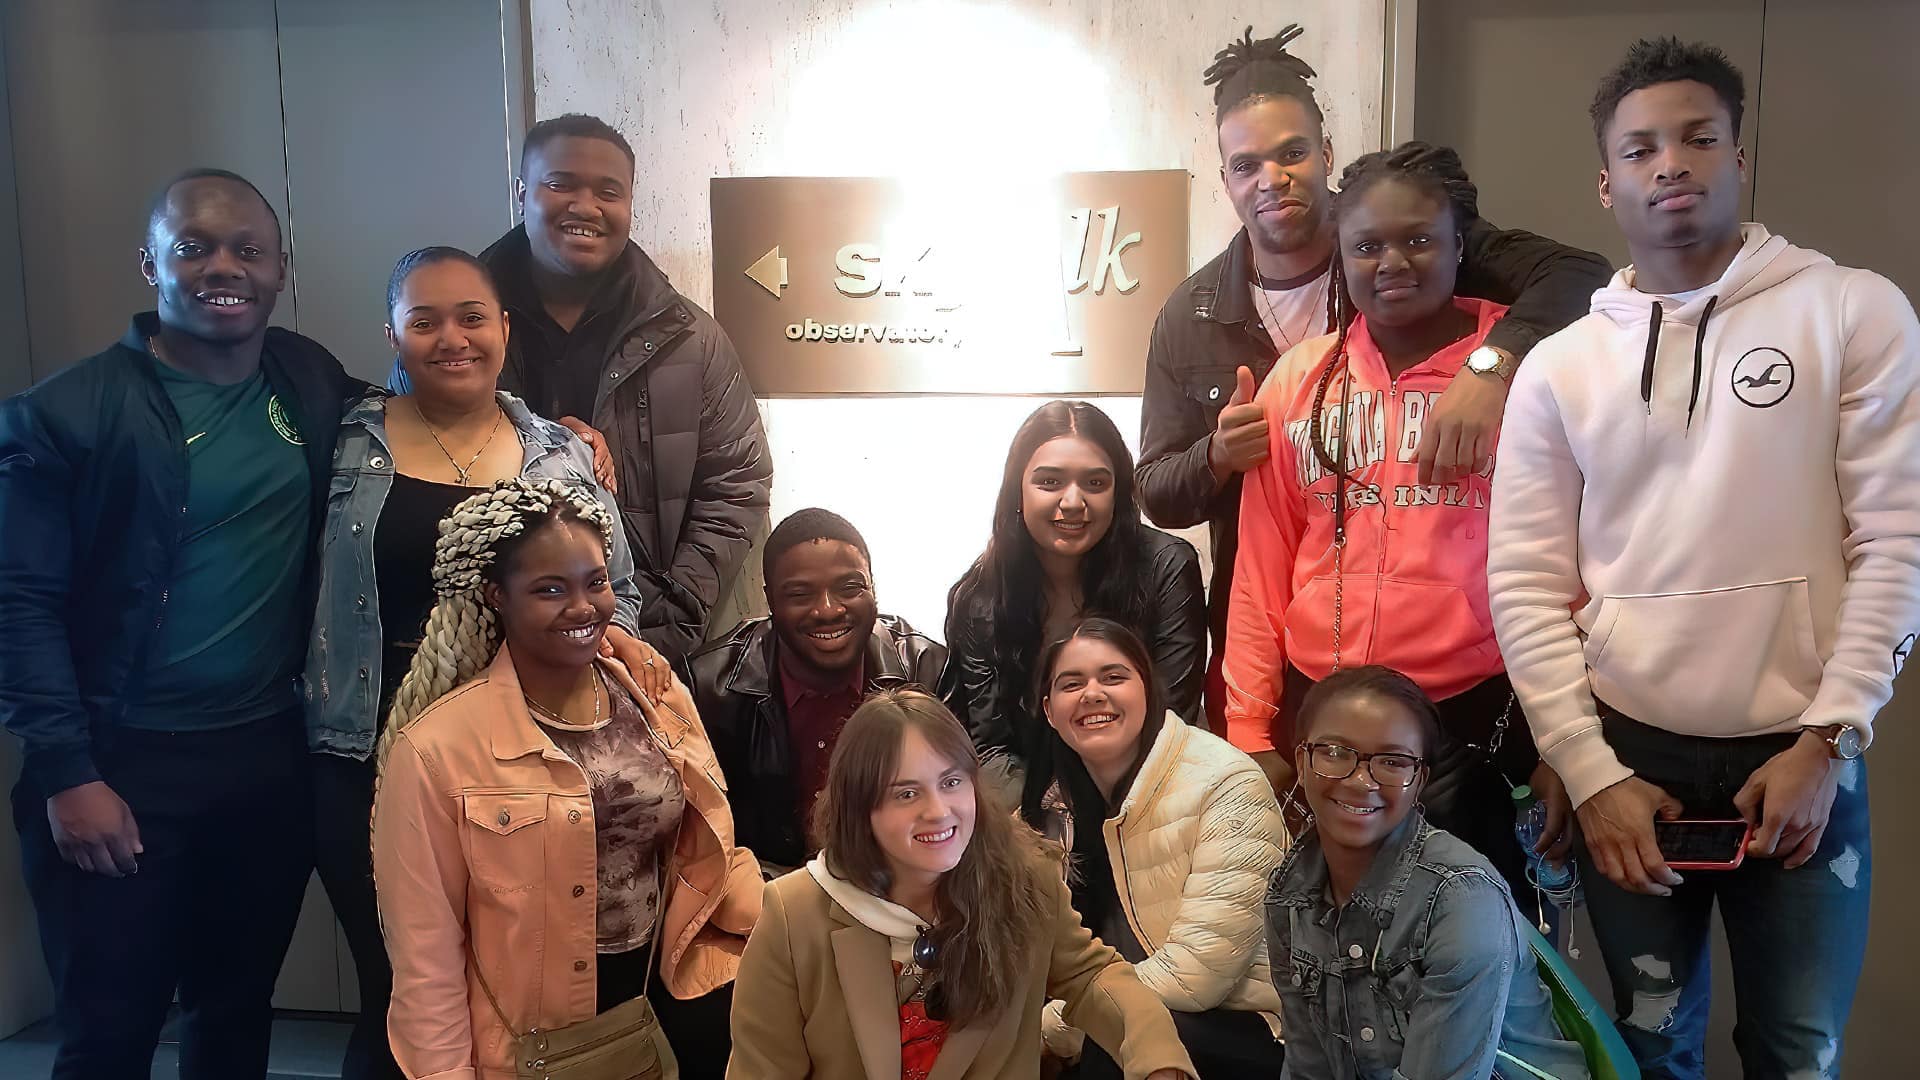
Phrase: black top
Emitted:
{"points": [[403, 541]]}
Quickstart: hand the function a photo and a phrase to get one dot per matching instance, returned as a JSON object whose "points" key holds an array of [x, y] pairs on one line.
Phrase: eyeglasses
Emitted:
{"points": [[1333, 761]]}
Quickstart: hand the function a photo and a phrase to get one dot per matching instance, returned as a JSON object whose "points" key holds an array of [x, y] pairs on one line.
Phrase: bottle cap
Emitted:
{"points": [[1523, 794]]}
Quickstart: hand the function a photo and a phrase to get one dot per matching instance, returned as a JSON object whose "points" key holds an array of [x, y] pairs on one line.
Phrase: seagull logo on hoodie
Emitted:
{"points": [[1763, 378]]}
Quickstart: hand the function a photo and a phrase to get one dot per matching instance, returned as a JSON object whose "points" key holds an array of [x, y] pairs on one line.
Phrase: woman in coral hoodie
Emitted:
{"points": [[1352, 550]]}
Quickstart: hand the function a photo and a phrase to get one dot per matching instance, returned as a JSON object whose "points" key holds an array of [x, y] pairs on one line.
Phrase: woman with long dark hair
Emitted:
{"points": [[930, 931], [1173, 833], [1348, 554], [1067, 542]]}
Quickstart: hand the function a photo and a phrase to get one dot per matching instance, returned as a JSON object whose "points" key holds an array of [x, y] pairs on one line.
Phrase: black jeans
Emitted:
{"points": [[343, 802], [1224, 1045], [699, 1030], [227, 826]]}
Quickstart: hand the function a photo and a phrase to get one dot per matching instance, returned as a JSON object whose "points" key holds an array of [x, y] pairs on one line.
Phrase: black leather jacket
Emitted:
{"points": [[735, 687], [998, 705]]}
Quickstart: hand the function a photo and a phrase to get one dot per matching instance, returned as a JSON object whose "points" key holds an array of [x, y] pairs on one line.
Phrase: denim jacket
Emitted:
{"points": [[1423, 975], [342, 679]]}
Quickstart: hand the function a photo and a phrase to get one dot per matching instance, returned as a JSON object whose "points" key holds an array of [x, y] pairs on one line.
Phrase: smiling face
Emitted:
{"points": [[820, 595], [925, 817], [214, 258], [1274, 160], [1399, 251], [1066, 496], [554, 596], [577, 198], [1097, 702], [1358, 813], [1674, 168], [450, 331]]}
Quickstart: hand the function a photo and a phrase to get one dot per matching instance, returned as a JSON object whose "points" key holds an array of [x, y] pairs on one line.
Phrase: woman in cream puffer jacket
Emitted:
{"points": [[1174, 834]]}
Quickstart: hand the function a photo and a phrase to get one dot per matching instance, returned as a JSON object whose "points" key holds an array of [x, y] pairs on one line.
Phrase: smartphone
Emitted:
{"points": [[1702, 845]]}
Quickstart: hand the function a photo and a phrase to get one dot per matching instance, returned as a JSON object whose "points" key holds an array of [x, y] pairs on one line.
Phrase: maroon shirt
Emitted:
{"points": [[815, 716]]}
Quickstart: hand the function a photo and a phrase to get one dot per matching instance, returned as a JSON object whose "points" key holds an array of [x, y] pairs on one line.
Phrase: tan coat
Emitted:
{"points": [[815, 999], [483, 833]]}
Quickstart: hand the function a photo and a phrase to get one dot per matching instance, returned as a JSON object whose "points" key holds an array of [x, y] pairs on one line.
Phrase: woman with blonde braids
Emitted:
{"points": [[402, 463], [545, 833]]}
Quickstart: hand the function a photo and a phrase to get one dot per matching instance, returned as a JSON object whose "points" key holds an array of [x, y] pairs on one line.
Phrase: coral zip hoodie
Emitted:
{"points": [[1414, 568], [1708, 513]]}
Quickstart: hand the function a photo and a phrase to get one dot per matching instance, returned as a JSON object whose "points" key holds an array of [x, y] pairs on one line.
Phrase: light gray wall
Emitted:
{"points": [[1830, 144], [16, 369]]}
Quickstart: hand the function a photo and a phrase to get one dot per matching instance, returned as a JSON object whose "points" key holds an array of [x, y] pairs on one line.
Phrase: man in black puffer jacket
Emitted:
{"points": [[603, 343]]}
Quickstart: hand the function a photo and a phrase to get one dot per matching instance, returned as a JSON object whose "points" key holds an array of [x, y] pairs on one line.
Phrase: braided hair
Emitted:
{"points": [[478, 539], [1248, 72], [1437, 171]]}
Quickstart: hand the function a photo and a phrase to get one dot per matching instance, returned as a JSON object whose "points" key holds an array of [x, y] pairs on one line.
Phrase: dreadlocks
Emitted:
{"points": [[477, 542], [1248, 72]]}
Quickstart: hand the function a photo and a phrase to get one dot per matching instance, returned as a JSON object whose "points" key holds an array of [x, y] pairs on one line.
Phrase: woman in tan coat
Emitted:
{"points": [[548, 841], [926, 937]]}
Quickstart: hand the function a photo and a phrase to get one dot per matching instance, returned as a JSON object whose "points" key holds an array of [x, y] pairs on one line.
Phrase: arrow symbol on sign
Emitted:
{"points": [[770, 272]]}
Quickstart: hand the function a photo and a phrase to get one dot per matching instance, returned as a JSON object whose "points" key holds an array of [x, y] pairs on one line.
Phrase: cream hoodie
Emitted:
{"points": [[1709, 517]]}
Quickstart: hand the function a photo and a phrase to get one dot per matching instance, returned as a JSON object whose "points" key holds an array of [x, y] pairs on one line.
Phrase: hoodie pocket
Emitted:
{"points": [[1725, 661]]}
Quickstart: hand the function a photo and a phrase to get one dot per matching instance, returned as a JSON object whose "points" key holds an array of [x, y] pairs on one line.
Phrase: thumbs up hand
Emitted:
{"points": [[1239, 439]]}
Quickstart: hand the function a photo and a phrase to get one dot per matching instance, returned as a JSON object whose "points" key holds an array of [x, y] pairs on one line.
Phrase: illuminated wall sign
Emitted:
{"points": [[843, 285]]}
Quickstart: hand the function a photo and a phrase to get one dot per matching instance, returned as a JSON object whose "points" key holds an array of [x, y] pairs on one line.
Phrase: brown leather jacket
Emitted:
{"points": [[483, 851]]}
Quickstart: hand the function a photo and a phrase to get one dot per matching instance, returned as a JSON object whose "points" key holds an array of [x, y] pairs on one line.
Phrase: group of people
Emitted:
{"points": [[446, 640]]}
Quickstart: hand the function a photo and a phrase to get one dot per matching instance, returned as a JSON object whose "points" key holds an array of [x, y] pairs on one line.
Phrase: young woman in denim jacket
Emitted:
{"points": [[401, 463], [1397, 951]]}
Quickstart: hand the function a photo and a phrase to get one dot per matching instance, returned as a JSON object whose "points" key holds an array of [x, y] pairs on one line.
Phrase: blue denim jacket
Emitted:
{"points": [[342, 679], [1423, 975]]}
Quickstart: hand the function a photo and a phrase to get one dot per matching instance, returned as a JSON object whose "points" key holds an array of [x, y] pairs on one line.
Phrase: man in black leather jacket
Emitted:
{"points": [[1223, 329], [774, 693]]}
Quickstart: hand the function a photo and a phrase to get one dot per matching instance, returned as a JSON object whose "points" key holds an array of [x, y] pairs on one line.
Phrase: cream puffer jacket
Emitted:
{"points": [[1192, 846]]}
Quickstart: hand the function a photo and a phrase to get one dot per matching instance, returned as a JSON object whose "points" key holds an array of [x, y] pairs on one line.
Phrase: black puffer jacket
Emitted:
{"points": [[93, 479], [746, 720], [685, 432], [997, 703]]}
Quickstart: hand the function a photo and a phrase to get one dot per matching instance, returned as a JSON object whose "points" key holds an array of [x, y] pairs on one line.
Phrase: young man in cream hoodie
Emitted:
{"points": [[1705, 574]]}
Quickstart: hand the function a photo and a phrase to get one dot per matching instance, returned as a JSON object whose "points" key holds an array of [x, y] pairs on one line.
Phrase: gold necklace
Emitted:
{"points": [[554, 720], [466, 473]]}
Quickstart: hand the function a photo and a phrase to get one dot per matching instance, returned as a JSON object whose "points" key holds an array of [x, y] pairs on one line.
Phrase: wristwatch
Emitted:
{"points": [[1843, 740], [1492, 360]]}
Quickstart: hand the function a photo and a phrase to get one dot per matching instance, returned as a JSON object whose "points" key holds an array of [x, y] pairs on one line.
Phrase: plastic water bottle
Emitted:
{"points": [[1560, 883]]}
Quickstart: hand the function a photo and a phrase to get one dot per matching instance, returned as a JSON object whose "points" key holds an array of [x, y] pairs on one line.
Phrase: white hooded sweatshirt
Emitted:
{"points": [[1709, 517]]}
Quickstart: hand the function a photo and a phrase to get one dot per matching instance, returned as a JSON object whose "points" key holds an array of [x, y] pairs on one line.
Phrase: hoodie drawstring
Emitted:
{"points": [[1653, 351], [1699, 347]]}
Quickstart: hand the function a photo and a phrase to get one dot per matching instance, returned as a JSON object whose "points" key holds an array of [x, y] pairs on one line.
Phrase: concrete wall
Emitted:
{"points": [[937, 91]]}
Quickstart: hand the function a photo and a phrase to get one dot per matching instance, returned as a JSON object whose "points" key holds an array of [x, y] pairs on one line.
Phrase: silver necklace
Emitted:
{"points": [[1273, 317], [466, 473]]}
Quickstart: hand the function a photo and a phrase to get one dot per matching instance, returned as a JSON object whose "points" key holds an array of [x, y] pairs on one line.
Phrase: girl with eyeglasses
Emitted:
{"points": [[930, 931], [1395, 946]]}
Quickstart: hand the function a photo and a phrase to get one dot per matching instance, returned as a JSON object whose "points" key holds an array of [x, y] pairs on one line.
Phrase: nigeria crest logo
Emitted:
{"points": [[282, 421]]}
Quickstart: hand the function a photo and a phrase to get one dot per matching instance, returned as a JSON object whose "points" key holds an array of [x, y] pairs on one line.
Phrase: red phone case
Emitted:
{"points": [[1739, 854]]}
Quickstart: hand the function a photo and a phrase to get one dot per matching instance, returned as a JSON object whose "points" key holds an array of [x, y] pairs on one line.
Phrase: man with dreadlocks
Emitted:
{"points": [[1221, 331], [1347, 555], [547, 836], [1706, 574]]}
